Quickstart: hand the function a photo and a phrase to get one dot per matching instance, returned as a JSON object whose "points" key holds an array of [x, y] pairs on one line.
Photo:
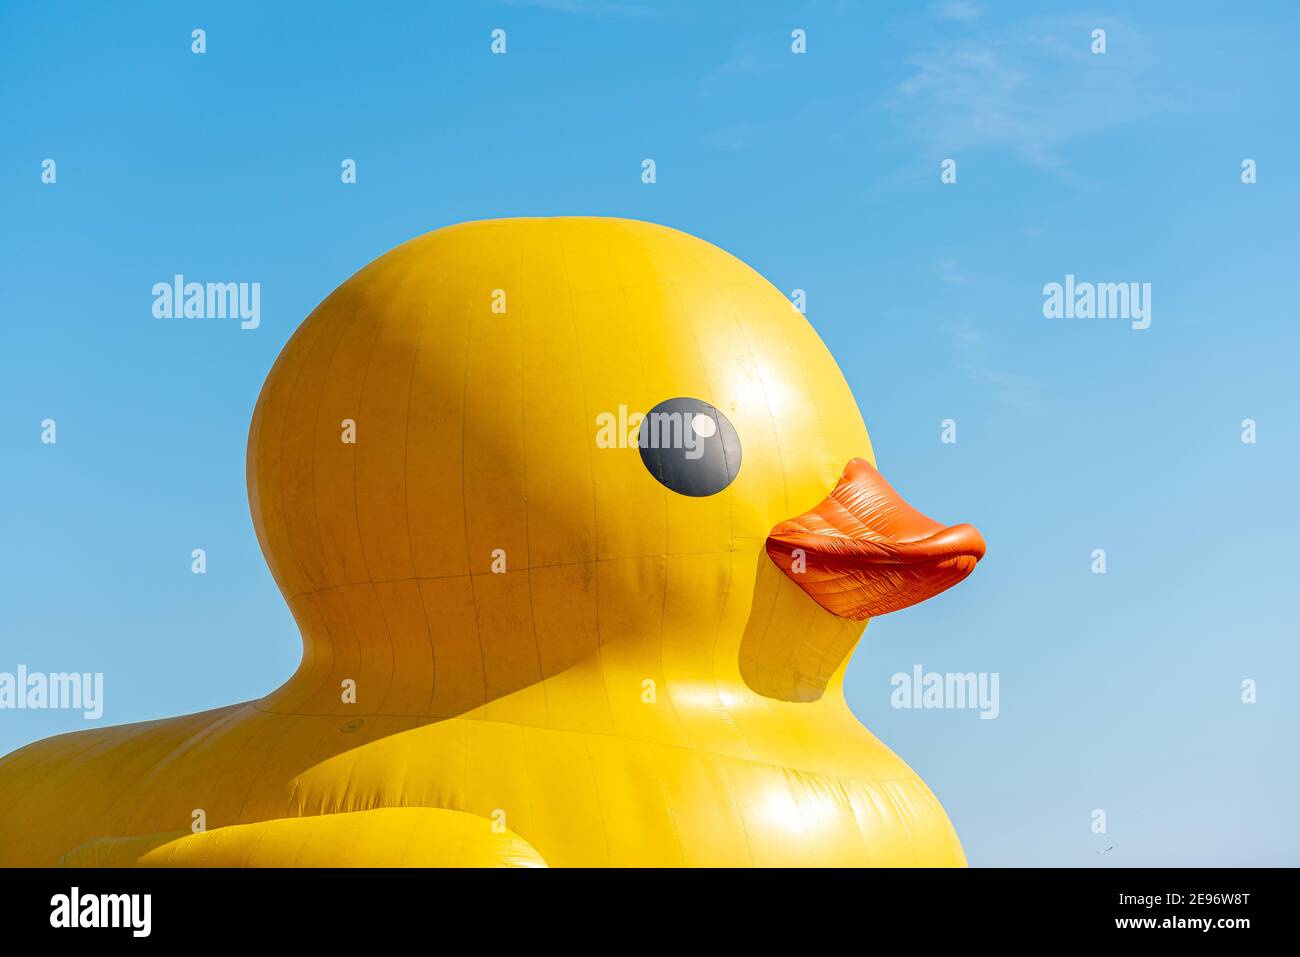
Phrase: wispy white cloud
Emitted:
{"points": [[742, 61], [973, 356], [609, 9], [1035, 90], [957, 10], [949, 271], [737, 136]]}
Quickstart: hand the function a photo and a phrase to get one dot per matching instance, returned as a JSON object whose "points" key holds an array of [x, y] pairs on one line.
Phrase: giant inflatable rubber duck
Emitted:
{"points": [[580, 524]]}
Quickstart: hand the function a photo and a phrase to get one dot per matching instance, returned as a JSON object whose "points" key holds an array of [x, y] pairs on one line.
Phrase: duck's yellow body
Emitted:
{"points": [[520, 647]]}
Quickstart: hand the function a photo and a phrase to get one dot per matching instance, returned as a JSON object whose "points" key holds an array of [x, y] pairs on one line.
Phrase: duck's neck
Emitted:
{"points": [[445, 647]]}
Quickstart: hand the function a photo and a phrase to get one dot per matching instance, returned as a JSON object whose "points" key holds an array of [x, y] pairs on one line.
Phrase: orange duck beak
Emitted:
{"points": [[864, 551]]}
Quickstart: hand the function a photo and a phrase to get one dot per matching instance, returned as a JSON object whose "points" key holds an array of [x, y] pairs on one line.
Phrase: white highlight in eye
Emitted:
{"points": [[704, 426]]}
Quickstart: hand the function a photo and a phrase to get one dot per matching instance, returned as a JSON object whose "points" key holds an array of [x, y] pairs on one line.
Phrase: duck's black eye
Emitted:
{"points": [[689, 446]]}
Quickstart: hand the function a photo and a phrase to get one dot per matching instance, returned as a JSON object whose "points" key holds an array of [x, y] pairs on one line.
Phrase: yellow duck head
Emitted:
{"points": [[584, 474], [508, 446]]}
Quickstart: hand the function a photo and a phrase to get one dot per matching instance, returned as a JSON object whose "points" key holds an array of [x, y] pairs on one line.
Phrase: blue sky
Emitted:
{"points": [[1118, 691]]}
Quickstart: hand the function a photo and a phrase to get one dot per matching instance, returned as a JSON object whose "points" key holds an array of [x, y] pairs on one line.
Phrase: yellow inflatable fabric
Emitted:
{"points": [[534, 633]]}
